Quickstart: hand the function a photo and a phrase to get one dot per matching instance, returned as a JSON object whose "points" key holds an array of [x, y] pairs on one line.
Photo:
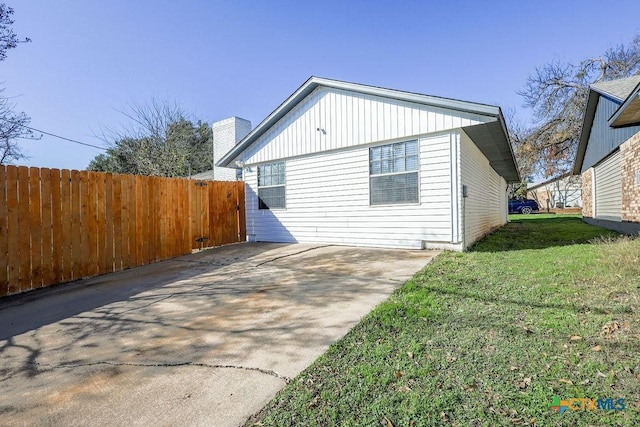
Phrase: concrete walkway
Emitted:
{"points": [[205, 339]]}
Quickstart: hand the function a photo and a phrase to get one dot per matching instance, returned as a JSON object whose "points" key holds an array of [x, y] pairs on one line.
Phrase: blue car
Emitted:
{"points": [[523, 206]]}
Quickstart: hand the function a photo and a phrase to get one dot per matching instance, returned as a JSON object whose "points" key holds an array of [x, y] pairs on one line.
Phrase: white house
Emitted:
{"points": [[346, 163]]}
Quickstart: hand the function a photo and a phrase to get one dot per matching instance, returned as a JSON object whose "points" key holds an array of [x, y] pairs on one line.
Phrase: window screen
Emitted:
{"points": [[393, 171], [271, 186]]}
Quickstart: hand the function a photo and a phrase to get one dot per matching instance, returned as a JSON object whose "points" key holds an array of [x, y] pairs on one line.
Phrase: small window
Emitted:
{"points": [[393, 173], [637, 178], [271, 186]]}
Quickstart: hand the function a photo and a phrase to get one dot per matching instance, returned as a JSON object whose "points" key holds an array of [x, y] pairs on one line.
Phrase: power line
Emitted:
{"points": [[66, 139]]}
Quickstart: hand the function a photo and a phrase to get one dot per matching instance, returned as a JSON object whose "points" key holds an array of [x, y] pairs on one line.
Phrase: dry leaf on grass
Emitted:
{"points": [[575, 338], [566, 381], [596, 348], [522, 385], [610, 328]]}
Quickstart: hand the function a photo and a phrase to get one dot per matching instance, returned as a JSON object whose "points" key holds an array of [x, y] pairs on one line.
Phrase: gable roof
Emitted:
{"points": [[618, 91], [491, 138]]}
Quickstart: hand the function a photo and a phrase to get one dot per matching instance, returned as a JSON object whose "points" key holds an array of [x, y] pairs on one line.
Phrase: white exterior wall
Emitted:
{"points": [[347, 119], [607, 177], [485, 208], [325, 140], [328, 201]]}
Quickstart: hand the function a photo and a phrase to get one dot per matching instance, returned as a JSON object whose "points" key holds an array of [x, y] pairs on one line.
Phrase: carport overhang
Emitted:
{"points": [[491, 138]]}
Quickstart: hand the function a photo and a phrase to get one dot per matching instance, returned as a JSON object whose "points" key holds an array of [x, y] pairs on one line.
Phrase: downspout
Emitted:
{"points": [[455, 188], [465, 194]]}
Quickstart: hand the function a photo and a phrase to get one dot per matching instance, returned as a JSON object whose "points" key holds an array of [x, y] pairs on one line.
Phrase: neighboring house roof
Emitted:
{"points": [[619, 91], [547, 182], [491, 138], [204, 176]]}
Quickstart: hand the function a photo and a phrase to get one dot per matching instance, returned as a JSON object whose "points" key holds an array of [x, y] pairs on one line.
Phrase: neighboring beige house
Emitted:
{"points": [[560, 192], [609, 156], [346, 163]]}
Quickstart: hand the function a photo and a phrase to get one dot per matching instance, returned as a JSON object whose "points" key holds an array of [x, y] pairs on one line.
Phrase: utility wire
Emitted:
{"points": [[66, 139]]}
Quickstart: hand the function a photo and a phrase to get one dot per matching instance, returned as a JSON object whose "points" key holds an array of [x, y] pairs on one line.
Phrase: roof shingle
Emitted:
{"points": [[619, 89]]}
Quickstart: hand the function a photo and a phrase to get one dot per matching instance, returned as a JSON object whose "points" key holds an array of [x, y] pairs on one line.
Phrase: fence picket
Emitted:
{"points": [[4, 235], [57, 240], [47, 227], [35, 228], [13, 231]]}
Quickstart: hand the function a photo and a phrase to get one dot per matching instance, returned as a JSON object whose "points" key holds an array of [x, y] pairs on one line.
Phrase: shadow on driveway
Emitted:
{"points": [[227, 328]]}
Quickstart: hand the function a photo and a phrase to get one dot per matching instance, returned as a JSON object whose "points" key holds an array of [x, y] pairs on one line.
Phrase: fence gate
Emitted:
{"points": [[217, 213]]}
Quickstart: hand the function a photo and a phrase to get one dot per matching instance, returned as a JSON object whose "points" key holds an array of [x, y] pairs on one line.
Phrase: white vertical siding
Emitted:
{"points": [[485, 207], [328, 201], [608, 188], [349, 119]]}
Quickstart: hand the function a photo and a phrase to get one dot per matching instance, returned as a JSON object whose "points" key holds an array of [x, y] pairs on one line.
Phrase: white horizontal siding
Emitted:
{"points": [[349, 119], [608, 188], [327, 197], [485, 207]]}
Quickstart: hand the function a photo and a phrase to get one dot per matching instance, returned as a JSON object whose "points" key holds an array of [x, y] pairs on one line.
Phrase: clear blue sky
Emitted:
{"points": [[217, 59]]}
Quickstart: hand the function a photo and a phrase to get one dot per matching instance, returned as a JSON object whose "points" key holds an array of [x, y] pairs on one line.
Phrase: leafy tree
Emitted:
{"points": [[557, 93], [161, 141], [12, 124]]}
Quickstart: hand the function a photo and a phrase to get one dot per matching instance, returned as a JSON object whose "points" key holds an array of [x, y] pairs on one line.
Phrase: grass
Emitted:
{"points": [[546, 306]]}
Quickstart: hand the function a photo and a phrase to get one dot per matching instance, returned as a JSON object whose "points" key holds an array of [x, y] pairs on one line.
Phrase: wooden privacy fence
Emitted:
{"points": [[59, 225]]}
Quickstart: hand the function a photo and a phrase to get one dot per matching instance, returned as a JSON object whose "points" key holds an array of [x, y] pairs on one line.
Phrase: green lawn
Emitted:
{"points": [[543, 307]]}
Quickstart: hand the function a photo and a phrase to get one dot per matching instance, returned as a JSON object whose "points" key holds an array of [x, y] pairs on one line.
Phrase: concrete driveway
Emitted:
{"points": [[205, 339]]}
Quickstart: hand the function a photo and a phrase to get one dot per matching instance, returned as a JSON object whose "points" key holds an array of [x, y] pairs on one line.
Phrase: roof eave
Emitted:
{"points": [[306, 88], [493, 141], [313, 82], [549, 181], [585, 132], [628, 114]]}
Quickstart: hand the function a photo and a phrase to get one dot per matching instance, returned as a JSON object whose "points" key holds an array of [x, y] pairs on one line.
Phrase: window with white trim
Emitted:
{"points": [[393, 173], [271, 186]]}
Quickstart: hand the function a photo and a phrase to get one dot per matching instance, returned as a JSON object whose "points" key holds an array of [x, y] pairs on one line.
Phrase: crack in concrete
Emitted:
{"points": [[165, 365], [290, 255]]}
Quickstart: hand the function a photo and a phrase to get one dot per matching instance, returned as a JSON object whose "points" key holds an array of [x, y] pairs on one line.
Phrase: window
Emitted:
{"points": [[393, 173], [271, 186]]}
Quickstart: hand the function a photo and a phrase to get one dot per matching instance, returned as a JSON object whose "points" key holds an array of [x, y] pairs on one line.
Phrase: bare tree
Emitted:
{"points": [[526, 159], [12, 124], [8, 38], [557, 93], [159, 140]]}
